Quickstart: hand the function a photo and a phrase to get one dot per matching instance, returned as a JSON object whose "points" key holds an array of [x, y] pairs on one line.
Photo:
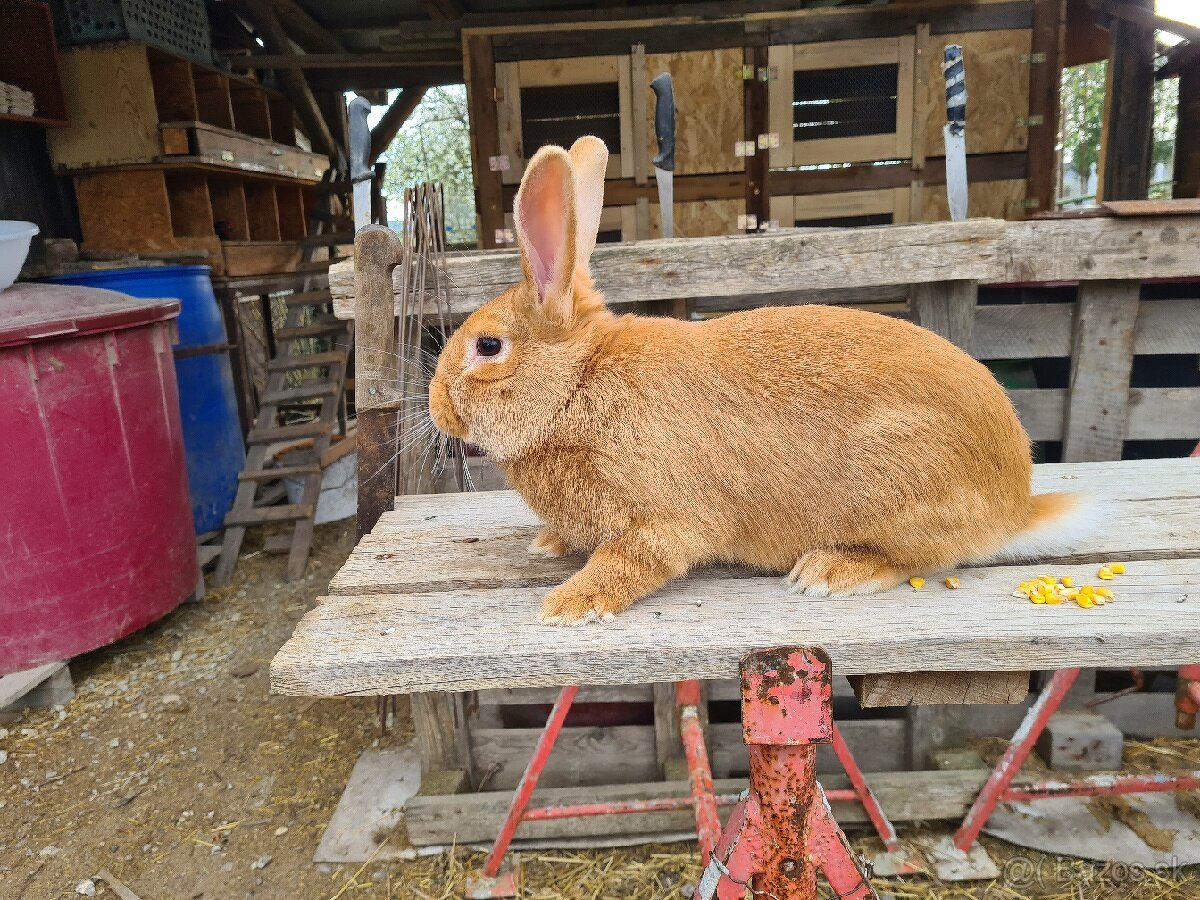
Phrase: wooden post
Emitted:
{"points": [[1097, 411], [947, 308], [1187, 134], [1045, 72], [377, 251], [758, 196], [1129, 110], [481, 102], [443, 738]]}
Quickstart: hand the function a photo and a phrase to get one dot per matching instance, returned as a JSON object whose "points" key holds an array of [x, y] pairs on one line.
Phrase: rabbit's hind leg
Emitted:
{"points": [[843, 573], [548, 544]]}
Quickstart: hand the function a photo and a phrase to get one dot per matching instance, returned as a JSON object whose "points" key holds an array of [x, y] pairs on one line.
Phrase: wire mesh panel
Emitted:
{"points": [[564, 113], [851, 102]]}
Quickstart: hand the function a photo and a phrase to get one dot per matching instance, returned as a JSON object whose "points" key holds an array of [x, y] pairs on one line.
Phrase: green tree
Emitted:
{"points": [[1083, 89], [435, 145]]}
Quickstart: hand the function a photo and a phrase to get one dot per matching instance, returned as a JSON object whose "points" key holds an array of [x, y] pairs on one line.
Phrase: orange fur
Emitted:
{"points": [[848, 448]]}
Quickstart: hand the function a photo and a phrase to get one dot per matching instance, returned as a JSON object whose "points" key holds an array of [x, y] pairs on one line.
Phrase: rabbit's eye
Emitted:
{"points": [[488, 346]]}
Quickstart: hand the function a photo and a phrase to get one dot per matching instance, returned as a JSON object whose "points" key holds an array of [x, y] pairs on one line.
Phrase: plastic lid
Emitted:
{"points": [[38, 312]]}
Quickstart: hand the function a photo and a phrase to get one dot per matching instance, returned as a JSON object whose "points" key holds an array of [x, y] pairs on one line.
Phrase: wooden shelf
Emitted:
{"points": [[29, 60], [32, 120], [121, 95]]}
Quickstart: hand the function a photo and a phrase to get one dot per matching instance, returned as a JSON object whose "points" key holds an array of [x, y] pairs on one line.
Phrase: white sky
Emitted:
{"points": [[1180, 10]]}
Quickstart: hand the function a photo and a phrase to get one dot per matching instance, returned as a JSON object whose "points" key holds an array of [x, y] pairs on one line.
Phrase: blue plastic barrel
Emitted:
{"points": [[212, 434]]}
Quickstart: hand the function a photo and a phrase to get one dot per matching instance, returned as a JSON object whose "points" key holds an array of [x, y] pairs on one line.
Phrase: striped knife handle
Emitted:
{"points": [[956, 88]]}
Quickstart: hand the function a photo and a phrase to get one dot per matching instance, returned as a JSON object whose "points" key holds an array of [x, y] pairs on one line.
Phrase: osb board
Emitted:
{"points": [[110, 105], [124, 211], [989, 199], [701, 218], [997, 91], [708, 109]]}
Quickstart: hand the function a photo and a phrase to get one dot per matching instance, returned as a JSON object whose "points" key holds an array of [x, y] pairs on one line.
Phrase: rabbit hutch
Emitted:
{"points": [[794, 127]]}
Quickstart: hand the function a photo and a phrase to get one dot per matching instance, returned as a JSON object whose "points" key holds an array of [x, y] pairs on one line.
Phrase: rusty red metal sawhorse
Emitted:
{"points": [[781, 831], [960, 859]]}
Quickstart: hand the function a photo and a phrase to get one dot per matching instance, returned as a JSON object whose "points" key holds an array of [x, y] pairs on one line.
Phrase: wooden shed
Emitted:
{"points": [[789, 116]]}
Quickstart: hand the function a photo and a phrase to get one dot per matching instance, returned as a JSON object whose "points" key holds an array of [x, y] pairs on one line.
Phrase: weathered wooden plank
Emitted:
{"points": [[878, 745], [442, 735], [476, 818], [1153, 413], [947, 308], [479, 540], [923, 688], [582, 756], [985, 250], [1102, 357], [483, 557], [699, 628]]}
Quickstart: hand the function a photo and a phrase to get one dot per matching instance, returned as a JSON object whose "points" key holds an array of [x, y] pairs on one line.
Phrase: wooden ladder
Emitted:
{"points": [[254, 502]]}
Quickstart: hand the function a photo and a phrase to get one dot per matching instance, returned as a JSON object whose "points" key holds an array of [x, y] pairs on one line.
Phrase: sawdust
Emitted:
{"points": [[1118, 809]]}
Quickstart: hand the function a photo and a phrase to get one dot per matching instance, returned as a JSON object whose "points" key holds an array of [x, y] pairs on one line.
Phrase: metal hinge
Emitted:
{"points": [[498, 94], [1030, 121], [1031, 58]]}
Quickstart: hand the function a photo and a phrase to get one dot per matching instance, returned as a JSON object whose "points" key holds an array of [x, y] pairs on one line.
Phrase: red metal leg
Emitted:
{"points": [[887, 833], [1022, 743], [782, 832], [1187, 694], [490, 883], [708, 824]]}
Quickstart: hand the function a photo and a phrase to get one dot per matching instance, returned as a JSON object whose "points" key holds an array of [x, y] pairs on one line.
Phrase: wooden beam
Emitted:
{"points": [[1045, 73], [481, 101], [1144, 16], [393, 119], [989, 251], [1129, 112], [755, 123], [444, 10], [262, 13], [477, 817], [304, 29], [387, 60]]}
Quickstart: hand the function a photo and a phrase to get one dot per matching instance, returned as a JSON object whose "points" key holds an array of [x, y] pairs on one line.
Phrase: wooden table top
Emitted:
{"points": [[442, 596]]}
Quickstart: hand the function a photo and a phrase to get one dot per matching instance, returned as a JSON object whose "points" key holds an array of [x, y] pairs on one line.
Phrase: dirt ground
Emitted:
{"points": [[175, 770]]}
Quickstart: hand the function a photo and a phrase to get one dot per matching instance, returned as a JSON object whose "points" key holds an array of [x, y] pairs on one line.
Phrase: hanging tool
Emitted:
{"points": [[955, 132], [361, 170], [664, 163]]}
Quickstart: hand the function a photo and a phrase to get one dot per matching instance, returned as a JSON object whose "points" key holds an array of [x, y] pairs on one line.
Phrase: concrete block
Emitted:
{"points": [[1081, 741]]}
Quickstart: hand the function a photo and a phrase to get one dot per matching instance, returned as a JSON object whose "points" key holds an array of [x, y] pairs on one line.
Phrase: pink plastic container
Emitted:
{"points": [[96, 536]]}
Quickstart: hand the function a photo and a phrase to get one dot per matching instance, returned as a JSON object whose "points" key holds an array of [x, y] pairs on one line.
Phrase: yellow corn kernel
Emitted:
{"points": [[1086, 602], [1105, 593], [1068, 581], [953, 583], [1087, 589], [916, 582], [1038, 599], [1117, 568], [1105, 573], [1045, 579], [1054, 600]]}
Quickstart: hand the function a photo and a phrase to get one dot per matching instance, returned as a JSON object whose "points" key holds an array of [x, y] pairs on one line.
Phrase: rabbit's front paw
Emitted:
{"points": [[549, 545], [570, 605], [833, 573]]}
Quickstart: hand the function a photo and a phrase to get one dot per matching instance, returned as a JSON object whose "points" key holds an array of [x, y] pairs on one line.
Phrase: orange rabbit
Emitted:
{"points": [[845, 448]]}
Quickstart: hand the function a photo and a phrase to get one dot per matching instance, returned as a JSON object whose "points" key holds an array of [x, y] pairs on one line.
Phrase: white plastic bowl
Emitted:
{"points": [[14, 247]]}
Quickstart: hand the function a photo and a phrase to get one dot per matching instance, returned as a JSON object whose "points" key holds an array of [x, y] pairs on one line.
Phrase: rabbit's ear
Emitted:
{"points": [[589, 156], [544, 214]]}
